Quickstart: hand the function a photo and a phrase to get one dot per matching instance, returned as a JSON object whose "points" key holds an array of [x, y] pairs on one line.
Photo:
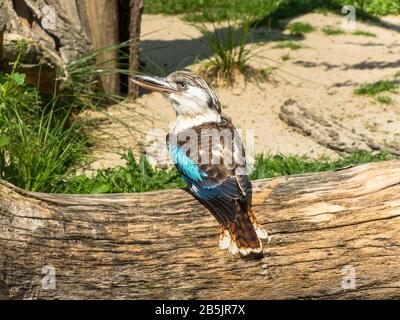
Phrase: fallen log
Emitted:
{"points": [[334, 235]]}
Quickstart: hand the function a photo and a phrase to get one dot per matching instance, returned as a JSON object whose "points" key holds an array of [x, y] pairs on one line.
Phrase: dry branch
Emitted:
{"points": [[329, 134], [164, 244]]}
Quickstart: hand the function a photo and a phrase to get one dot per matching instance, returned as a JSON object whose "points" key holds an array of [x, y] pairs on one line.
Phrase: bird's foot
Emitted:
{"points": [[224, 239], [261, 232]]}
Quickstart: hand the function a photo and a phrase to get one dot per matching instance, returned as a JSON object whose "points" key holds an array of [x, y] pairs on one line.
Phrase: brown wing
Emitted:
{"points": [[217, 151]]}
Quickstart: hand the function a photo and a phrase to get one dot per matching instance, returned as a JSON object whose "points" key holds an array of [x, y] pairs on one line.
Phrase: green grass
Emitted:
{"points": [[264, 10], [285, 57], [266, 73], [384, 100], [211, 10], [379, 7], [230, 55], [363, 33], [332, 31], [292, 45], [140, 177], [134, 177], [83, 75], [300, 28], [375, 88], [279, 165], [38, 140]]}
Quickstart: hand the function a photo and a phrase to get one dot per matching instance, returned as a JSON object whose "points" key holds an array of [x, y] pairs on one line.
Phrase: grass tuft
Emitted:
{"points": [[363, 33], [384, 100], [230, 55], [133, 177], [375, 88], [38, 139], [300, 28], [82, 78], [292, 45], [332, 31]]}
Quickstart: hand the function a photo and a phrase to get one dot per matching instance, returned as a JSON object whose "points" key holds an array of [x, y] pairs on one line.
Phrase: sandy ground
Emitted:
{"points": [[322, 77]]}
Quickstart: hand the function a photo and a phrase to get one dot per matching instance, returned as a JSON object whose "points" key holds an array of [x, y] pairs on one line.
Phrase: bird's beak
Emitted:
{"points": [[154, 83]]}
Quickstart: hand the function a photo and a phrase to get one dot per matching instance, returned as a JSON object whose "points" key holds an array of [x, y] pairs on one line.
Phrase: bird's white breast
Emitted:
{"points": [[183, 123]]}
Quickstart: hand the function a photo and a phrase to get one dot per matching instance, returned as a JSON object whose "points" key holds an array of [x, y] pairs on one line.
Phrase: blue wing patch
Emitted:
{"points": [[186, 165]]}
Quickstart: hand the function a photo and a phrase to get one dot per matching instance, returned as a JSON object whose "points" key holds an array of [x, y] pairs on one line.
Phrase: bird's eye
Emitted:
{"points": [[182, 85]]}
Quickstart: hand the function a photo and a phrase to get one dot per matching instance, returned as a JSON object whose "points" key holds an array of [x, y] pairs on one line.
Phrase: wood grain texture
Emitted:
{"points": [[63, 43], [3, 22], [134, 34], [164, 244], [80, 27], [101, 19]]}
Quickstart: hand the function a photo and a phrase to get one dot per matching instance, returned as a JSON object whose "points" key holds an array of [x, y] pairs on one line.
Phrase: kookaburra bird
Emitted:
{"points": [[208, 153]]}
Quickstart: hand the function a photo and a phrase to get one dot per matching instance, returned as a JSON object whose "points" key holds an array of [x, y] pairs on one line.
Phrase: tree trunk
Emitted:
{"points": [[65, 30], [333, 235], [103, 27], [3, 22], [134, 27]]}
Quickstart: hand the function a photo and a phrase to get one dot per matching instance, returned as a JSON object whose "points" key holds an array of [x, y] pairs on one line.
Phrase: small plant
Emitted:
{"points": [[230, 54], [363, 33], [266, 73], [292, 45], [397, 74], [285, 57], [300, 28], [373, 89], [38, 140], [332, 31], [384, 100]]}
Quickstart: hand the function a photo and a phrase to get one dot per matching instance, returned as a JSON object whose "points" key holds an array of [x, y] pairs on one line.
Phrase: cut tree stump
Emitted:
{"points": [[333, 235], [62, 31]]}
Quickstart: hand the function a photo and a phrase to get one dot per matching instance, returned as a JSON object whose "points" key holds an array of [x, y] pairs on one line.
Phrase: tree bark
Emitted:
{"points": [[325, 228], [101, 19], [67, 39], [134, 27], [80, 26], [3, 22]]}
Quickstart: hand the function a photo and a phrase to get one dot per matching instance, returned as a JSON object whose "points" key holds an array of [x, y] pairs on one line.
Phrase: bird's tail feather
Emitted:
{"points": [[241, 233], [261, 232], [244, 238]]}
